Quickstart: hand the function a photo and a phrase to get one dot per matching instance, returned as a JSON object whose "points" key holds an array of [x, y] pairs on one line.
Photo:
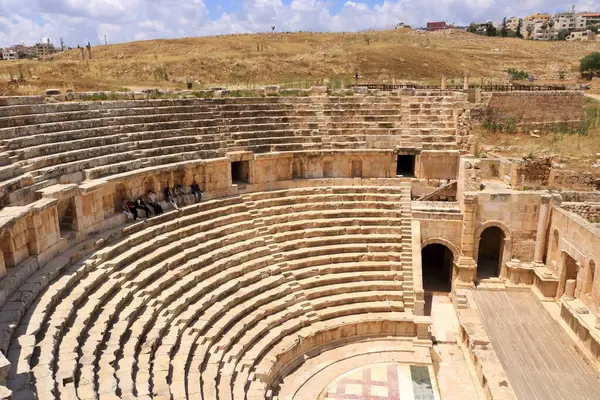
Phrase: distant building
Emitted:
{"points": [[583, 20], [512, 23], [436, 26], [42, 50], [402, 25], [582, 36], [9, 54], [538, 17]]}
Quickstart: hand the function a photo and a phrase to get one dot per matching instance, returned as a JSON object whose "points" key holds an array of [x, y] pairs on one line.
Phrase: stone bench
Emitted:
{"points": [[125, 275], [141, 305], [257, 358], [31, 130]]}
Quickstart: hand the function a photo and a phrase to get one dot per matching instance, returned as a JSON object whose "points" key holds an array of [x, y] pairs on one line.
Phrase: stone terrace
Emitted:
{"points": [[45, 144], [209, 302]]}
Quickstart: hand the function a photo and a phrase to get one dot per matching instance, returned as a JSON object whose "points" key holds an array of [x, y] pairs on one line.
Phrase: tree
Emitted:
{"points": [[590, 65], [490, 29], [472, 28], [504, 28], [519, 28], [551, 24], [530, 29], [563, 34]]}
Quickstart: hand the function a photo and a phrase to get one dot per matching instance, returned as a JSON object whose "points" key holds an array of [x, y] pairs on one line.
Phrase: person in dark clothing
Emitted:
{"points": [[196, 191], [140, 205], [169, 197], [132, 209], [158, 210]]}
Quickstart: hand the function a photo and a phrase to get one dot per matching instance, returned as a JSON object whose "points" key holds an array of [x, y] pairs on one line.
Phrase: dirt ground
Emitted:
{"points": [[298, 60]]}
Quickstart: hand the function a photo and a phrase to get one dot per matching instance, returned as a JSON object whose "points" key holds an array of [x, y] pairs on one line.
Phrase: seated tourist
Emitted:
{"points": [[169, 197], [158, 210], [179, 193], [141, 205], [197, 192], [126, 210], [132, 209]]}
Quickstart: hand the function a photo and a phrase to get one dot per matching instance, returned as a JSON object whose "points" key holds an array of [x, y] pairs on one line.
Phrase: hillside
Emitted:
{"points": [[297, 59]]}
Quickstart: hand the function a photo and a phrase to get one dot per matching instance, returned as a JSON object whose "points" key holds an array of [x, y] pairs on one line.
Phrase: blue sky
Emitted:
{"points": [[79, 21]]}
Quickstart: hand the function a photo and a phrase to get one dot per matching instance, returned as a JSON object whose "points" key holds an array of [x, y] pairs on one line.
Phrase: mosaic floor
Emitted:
{"points": [[384, 382]]}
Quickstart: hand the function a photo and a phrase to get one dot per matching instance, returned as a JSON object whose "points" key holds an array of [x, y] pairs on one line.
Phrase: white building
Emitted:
{"points": [[9, 54], [582, 36]]}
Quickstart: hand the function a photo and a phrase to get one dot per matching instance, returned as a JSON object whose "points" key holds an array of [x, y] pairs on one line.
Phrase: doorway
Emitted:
{"points": [[437, 262], [489, 259], [405, 165], [240, 172]]}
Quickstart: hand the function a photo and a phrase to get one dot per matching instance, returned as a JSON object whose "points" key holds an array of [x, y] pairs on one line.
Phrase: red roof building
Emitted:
{"points": [[436, 26]]}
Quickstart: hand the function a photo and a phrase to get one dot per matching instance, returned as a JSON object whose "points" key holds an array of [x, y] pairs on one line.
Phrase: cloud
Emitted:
{"points": [[80, 21]]}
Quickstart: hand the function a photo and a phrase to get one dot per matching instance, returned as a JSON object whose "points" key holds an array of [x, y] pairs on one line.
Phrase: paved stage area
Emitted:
{"points": [[539, 358]]}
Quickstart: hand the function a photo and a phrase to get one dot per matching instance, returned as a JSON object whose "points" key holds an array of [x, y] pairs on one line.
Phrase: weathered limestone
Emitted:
{"points": [[542, 229], [306, 240]]}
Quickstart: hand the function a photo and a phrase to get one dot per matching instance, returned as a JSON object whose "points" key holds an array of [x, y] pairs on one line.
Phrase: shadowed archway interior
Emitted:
{"points": [[491, 245], [437, 262]]}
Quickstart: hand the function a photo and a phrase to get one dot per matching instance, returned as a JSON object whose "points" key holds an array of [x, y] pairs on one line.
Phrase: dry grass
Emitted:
{"points": [[576, 151], [297, 59]]}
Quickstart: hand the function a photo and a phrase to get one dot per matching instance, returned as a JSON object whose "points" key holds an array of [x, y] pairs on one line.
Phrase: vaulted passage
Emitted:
{"points": [[491, 245], [437, 262], [405, 165]]}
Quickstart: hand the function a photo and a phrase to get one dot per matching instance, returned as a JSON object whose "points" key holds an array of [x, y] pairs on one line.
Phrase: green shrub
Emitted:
{"points": [[517, 75], [590, 65]]}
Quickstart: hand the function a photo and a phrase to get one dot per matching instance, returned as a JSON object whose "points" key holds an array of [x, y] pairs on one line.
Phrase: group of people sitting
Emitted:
{"points": [[174, 196]]}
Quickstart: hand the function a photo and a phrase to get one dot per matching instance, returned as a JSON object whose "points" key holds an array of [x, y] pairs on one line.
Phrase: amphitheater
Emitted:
{"points": [[348, 246]]}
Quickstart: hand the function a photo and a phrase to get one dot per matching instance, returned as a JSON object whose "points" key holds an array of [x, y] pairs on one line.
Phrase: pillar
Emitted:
{"points": [[466, 82], [570, 288], [542, 229], [466, 266], [443, 82], [468, 231]]}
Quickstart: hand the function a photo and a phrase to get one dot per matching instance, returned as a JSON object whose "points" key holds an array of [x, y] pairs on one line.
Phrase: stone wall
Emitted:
{"points": [[573, 236], [531, 108], [516, 214], [566, 179], [530, 172], [589, 211], [434, 164]]}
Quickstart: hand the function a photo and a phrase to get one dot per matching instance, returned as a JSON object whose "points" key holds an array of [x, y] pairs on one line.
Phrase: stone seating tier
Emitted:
{"points": [[206, 301], [43, 144]]}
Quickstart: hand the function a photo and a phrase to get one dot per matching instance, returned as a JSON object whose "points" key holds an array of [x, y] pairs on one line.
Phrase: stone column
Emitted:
{"points": [[466, 266], [570, 288], [466, 82], [468, 230], [443, 82], [542, 229]]}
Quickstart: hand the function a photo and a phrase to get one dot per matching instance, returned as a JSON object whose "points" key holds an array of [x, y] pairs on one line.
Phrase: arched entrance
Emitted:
{"points": [[489, 258], [437, 261]]}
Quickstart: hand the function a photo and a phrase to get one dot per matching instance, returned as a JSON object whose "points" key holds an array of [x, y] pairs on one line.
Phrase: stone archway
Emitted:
{"points": [[437, 261], [497, 247]]}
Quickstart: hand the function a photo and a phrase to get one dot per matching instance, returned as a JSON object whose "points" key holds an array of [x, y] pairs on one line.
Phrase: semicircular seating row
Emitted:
{"points": [[40, 143], [206, 302]]}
